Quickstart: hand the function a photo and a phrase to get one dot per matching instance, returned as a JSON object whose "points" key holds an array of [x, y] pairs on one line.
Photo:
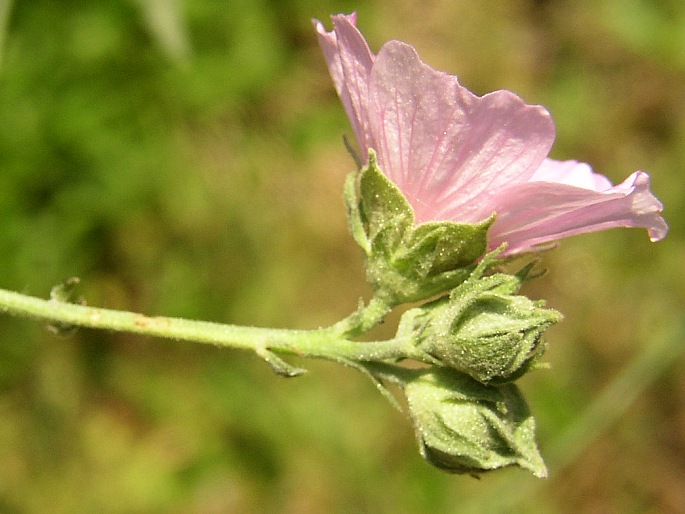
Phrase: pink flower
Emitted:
{"points": [[461, 157]]}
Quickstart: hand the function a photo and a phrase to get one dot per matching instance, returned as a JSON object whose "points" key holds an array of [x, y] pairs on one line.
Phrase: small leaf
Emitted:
{"points": [[65, 292], [278, 365]]}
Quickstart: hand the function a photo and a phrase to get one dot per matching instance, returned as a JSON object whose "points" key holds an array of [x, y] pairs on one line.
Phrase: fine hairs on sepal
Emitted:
{"points": [[406, 262], [464, 426], [482, 328]]}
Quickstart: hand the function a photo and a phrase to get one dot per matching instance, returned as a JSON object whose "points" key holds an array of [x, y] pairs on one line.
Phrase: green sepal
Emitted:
{"points": [[407, 262], [354, 218], [482, 329], [463, 426]]}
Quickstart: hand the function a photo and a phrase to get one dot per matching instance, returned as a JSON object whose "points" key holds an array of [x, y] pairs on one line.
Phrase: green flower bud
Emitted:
{"points": [[463, 426], [481, 329]]}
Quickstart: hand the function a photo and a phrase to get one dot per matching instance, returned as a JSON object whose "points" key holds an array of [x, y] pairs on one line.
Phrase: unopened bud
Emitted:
{"points": [[482, 329], [463, 426]]}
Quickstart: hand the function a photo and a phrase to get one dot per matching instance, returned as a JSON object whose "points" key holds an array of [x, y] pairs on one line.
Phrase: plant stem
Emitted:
{"points": [[364, 318], [324, 343]]}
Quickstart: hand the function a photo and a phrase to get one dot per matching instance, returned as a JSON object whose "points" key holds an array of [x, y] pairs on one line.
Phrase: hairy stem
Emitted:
{"points": [[330, 343]]}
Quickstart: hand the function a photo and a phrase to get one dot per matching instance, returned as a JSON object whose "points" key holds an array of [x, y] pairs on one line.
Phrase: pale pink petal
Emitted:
{"points": [[349, 63], [573, 173], [539, 212], [460, 157], [446, 148]]}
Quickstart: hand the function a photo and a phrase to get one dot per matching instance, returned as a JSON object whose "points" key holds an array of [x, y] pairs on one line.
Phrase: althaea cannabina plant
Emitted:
{"points": [[450, 175], [461, 157]]}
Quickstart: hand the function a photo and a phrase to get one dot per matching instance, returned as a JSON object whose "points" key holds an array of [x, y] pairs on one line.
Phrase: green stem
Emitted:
{"points": [[364, 318], [330, 343]]}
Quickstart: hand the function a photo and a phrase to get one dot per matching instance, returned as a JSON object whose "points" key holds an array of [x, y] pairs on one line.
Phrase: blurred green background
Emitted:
{"points": [[184, 158]]}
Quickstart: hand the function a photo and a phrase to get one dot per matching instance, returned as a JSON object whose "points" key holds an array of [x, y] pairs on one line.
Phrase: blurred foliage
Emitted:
{"points": [[184, 158]]}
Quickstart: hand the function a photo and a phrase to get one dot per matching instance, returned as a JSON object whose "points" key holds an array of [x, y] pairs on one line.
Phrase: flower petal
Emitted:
{"points": [[460, 157], [573, 173], [539, 212], [447, 149], [349, 63]]}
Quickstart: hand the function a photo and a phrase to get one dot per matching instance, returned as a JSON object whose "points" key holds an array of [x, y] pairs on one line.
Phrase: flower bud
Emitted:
{"points": [[463, 426], [482, 329]]}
